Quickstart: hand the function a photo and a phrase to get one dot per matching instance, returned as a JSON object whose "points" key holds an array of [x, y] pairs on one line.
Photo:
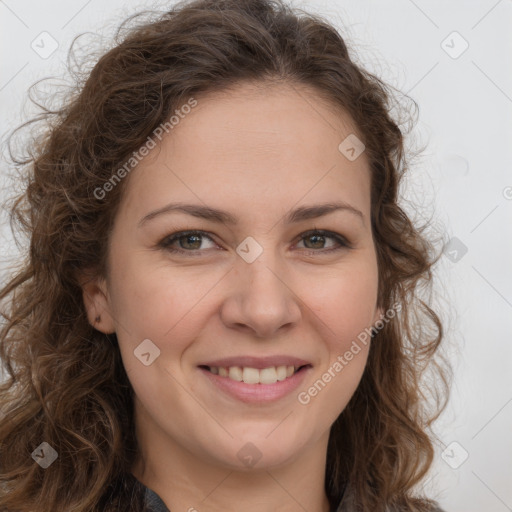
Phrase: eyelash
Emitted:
{"points": [[166, 242]]}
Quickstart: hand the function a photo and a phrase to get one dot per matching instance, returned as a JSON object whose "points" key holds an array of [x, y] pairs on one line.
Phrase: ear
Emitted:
{"points": [[97, 304]]}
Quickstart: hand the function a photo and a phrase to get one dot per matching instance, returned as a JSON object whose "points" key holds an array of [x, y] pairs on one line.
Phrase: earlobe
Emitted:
{"points": [[97, 305]]}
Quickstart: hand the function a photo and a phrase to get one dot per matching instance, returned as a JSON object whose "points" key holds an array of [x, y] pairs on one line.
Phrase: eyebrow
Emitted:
{"points": [[223, 217]]}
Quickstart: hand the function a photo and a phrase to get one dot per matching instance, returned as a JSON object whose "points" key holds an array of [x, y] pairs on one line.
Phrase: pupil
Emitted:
{"points": [[191, 237], [318, 237]]}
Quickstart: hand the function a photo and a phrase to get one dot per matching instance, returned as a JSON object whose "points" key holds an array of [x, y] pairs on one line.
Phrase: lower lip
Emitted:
{"points": [[257, 393]]}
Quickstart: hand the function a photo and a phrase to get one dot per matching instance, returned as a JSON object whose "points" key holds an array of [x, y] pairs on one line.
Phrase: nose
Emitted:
{"points": [[259, 300]]}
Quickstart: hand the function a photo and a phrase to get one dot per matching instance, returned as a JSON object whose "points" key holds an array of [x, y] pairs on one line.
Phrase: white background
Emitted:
{"points": [[464, 179]]}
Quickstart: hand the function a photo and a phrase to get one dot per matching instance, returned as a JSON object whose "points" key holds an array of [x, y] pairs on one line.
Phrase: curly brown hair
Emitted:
{"points": [[66, 384]]}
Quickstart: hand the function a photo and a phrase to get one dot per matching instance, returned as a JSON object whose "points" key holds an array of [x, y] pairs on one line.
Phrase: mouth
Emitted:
{"points": [[256, 380], [251, 375]]}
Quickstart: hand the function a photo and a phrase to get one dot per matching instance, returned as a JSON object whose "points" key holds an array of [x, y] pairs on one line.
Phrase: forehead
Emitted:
{"points": [[261, 118], [253, 145]]}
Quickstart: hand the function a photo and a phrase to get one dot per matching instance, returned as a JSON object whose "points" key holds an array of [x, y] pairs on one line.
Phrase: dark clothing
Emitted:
{"points": [[153, 502]]}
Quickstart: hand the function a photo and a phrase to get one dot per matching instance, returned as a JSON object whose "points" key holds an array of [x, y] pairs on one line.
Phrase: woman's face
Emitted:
{"points": [[257, 290]]}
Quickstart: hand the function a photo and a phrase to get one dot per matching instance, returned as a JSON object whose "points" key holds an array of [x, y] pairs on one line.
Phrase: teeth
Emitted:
{"points": [[281, 372], [250, 375], [235, 373], [268, 376]]}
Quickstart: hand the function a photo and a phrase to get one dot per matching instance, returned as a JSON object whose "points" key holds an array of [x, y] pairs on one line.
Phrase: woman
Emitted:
{"points": [[221, 305]]}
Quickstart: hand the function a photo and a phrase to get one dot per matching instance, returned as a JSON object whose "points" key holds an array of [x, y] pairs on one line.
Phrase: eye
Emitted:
{"points": [[318, 238], [191, 242]]}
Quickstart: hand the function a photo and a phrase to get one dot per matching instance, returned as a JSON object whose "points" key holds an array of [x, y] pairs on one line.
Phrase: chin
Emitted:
{"points": [[261, 450]]}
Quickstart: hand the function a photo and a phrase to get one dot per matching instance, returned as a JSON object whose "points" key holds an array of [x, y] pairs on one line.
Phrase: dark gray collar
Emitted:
{"points": [[153, 502]]}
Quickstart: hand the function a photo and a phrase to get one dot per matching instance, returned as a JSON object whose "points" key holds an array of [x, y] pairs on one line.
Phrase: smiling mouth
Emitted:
{"points": [[249, 375]]}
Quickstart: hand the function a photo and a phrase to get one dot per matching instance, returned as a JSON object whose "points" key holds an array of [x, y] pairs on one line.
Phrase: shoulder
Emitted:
{"points": [[149, 500], [347, 507], [348, 504], [154, 503]]}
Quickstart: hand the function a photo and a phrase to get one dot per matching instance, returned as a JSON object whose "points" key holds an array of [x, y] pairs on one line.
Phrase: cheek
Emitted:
{"points": [[163, 304], [346, 303], [151, 299], [346, 310]]}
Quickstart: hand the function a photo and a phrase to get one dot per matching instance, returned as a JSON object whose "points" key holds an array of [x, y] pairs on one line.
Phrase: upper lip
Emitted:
{"points": [[256, 362]]}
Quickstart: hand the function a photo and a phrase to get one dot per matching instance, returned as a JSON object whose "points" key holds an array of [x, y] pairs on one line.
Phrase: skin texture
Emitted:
{"points": [[257, 152]]}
